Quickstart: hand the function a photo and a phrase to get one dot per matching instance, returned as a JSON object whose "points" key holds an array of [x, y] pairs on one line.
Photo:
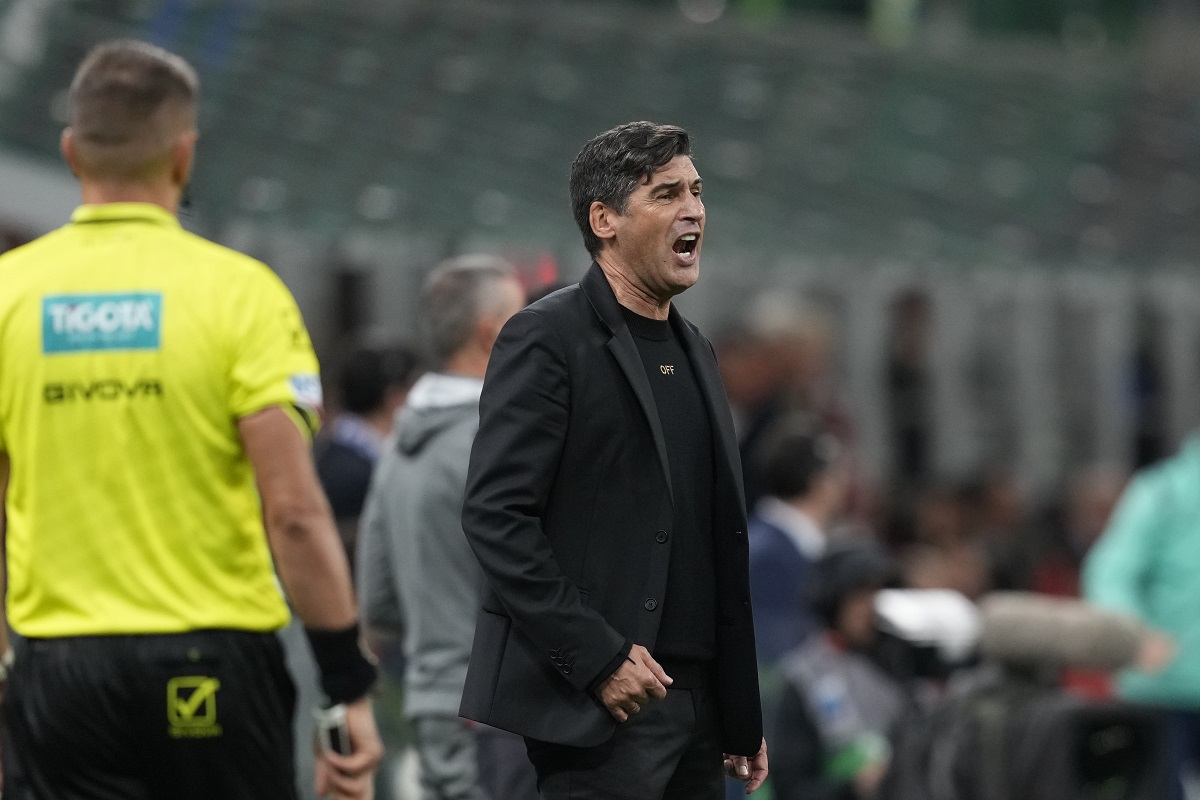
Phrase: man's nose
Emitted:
{"points": [[693, 209]]}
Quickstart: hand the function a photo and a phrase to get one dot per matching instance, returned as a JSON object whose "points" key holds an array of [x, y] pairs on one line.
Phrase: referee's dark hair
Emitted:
{"points": [[127, 106], [613, 164], [794, 455], [369, 371]]}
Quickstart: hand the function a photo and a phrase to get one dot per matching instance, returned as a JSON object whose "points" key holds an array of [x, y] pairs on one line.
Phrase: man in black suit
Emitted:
{"points": [[604, 503]]}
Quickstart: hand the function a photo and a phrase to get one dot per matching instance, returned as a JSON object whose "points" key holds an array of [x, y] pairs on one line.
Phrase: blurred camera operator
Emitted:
{"points": [[838, 706]]}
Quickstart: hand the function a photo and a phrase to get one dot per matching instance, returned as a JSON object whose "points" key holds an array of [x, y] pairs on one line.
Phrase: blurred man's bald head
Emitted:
{"points": [[129, 105]]}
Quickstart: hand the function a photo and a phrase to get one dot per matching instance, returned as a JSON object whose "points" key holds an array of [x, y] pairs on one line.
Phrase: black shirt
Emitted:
{"points": [[688, 626]]}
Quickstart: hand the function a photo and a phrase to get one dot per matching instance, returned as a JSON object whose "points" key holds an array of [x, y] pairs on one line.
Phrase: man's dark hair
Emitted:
{"points": [[793, 456], [370, 370], [127, 102], [456, 296], [613, 164]]}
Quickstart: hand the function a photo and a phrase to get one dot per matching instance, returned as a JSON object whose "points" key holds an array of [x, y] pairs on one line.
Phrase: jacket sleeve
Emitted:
{"points": [[516, 459], [1120, 563], [378, 598]]}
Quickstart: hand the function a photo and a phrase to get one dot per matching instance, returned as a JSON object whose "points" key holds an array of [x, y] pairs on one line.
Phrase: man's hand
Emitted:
{"points": [[351, 777], [639, 679], [752, 770]]}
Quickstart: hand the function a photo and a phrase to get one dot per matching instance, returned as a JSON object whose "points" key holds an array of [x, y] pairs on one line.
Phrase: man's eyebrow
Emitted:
{"points": [[664, 186]]}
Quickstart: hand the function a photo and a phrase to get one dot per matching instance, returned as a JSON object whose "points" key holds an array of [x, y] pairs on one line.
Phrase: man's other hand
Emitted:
{"points": [[639, 680], [352, 777], [751, 770]]}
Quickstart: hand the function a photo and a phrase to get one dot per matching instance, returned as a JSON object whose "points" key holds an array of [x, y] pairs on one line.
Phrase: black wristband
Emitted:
{"points": [[347, 671]]}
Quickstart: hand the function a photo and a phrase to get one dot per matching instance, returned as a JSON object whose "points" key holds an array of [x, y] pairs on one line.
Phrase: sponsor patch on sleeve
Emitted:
{"points": [[306, 390], [73, 323]]}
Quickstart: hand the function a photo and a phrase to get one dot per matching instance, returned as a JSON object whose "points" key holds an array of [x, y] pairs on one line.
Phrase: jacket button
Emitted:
{"points": [[660, 537], [739, 534], [651, 604], [566, 669]]}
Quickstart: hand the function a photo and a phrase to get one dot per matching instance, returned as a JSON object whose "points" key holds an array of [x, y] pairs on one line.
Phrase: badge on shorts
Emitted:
{"points": [[192, 707]]}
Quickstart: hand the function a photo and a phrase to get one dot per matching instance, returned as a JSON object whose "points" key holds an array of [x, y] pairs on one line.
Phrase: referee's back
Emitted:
{"points": [[128, 350]]}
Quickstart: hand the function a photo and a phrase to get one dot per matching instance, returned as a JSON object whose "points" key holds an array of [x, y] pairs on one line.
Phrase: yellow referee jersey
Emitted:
{"points": [[129, 348]]}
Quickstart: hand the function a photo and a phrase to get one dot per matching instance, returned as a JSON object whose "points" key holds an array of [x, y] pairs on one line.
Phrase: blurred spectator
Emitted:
{"points": [[777, 362], [1146, 563], [943, 554], [1091, 495], [756, 387], [909, 386], [999, 523], [372, 383], [804, 481], [417, 574], [838, 706]]}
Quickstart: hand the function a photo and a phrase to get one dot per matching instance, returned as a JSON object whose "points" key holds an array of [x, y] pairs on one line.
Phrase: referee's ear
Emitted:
{"points": [[183, 153], [66, 143]]}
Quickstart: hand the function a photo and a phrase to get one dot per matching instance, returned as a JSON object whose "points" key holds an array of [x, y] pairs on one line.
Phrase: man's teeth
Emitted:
{"points": [[691, 237]]}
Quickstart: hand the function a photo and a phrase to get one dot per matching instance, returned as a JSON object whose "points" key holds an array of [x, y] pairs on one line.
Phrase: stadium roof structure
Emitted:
{"points": [[458, 115]]}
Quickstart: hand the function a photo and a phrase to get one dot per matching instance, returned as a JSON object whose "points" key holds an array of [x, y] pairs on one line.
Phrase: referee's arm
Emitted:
{"points": [[304, 539], [312, 565], [3, 555]]}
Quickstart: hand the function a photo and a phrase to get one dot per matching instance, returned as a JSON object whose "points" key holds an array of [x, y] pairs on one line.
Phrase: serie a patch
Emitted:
{"points": [[73, 323]]}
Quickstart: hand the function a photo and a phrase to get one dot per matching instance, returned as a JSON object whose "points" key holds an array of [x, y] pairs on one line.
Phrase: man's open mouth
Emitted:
{"points": [[686, 244]]}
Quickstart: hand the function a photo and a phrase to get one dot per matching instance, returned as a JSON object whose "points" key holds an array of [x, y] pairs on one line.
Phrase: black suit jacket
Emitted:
{"points": [[568, 497]]}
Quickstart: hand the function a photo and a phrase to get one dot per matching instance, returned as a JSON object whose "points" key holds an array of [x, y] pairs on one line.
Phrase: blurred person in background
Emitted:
{"points": [[908, 382], [1092, 493], [943, 553], [604, 504], [1000, 523], [157, 397], [1146, 564], [804, 481], [839, 707], [797, 338], [373, 382], [757, 388], [417, 575]]}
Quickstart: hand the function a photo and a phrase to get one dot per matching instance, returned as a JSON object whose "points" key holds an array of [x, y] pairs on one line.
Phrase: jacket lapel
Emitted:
{"points": [[621, 345], [705, 365]]}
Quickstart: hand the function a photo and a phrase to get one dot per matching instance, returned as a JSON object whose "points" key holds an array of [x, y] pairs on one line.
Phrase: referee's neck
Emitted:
{"points": [[162, 194]]}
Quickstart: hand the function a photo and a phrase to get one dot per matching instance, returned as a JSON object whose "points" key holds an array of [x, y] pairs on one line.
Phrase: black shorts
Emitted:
{"points": [[201, 715]]}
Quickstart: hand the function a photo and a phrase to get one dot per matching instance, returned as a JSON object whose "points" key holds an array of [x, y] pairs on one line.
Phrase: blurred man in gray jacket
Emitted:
{"points": [[417, 575]]}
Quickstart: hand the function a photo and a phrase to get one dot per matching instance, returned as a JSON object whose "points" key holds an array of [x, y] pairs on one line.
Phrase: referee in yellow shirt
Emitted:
{"points": [[148, 380]]}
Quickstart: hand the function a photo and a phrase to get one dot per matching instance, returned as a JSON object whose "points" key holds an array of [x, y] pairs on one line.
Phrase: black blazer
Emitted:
{"points": [[567, 494]]}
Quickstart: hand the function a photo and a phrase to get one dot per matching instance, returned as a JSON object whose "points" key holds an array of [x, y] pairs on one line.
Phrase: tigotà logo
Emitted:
{"points": [[82, 322]]}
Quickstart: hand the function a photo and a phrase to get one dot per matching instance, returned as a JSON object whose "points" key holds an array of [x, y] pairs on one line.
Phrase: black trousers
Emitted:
{"points": [[193, 716], [670, 750]]}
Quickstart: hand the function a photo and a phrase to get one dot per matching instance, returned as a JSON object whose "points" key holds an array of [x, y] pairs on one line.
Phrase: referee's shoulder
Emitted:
{"points": [[19, 267], [235, 266]]}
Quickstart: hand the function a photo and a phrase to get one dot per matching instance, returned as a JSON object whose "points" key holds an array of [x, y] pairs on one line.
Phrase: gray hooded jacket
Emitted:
{"points": [[417, 575]]}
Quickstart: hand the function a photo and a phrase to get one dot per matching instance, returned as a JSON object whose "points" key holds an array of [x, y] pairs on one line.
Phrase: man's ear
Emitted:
{"points": [[183, 153], [486, 331], [604, 220], [66, 144]]}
